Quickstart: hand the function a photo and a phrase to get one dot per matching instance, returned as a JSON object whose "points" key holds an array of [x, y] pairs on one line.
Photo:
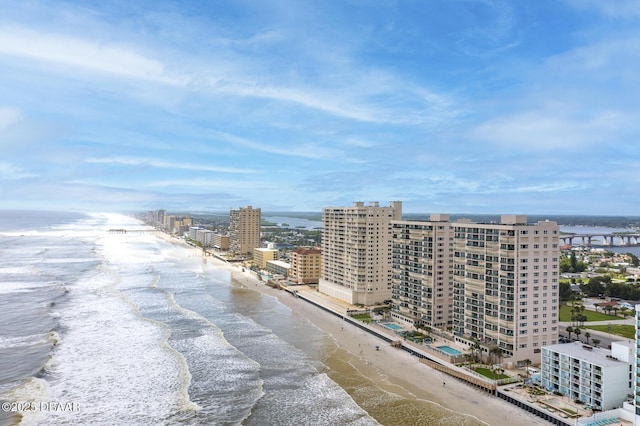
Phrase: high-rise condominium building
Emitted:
{"points": [[422, 274], [505, 279], [244, 230], [356, 251]]}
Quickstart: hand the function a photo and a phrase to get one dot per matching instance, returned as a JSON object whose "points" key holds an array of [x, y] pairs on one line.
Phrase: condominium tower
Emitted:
{"points": [[244, 230], [494, 284], [422, 274], [356, 250], [505, 279]]}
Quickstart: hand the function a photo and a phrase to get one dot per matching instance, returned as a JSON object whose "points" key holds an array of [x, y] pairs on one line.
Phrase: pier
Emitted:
{"points": [[132, 231]]}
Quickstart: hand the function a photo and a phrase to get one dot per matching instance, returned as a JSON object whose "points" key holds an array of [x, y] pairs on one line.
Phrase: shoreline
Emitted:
{"points": [[391, 371]]}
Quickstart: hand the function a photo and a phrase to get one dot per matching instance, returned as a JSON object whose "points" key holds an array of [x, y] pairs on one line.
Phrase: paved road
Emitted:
{"points": [[604, 337]]}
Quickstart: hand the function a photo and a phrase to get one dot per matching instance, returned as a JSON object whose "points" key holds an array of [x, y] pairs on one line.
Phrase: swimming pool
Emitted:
{"points": [[449, 350], [392, 326]]}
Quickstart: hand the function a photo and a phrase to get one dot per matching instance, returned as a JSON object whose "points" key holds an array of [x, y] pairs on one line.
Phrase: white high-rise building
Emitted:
{"points": [[356, 252]]}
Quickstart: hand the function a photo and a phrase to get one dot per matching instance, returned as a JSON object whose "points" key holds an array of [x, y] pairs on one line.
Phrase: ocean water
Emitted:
{"points": [[111, 329], [105, 329]]}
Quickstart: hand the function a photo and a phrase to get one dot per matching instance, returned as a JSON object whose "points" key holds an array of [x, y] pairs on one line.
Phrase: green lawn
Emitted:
{"points": [[626, 331], [362, 317], [487, 372], [565, 315]]}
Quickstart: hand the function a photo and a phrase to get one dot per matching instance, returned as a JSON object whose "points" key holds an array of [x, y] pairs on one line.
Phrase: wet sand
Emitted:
{"points": [[390, 384], [394, 387]]}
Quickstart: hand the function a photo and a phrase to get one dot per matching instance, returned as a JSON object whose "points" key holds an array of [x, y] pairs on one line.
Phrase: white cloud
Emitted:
{"points": [[358, 94], [131, 161], [549, 187], [553, 129], [8, 116], [208, 184], [9, 171], [87, 54], [625, 9], [304, 150]]}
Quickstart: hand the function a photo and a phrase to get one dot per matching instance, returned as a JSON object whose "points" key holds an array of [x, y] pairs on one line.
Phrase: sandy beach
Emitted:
{"points": [[394, 371]]}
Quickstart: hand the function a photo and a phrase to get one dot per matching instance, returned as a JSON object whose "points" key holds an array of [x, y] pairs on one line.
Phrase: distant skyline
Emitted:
{"points": [[455, 106]]}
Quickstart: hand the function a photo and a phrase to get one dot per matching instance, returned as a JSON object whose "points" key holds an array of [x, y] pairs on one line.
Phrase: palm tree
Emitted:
{"points": [[615, 311], [575, 312], [623, 311], [527, 363], [477, 351], [587, 335], [596, 342], [583, 318], [497, 351], [608, 309], [596, 305], [577, 331], [569, 331]]}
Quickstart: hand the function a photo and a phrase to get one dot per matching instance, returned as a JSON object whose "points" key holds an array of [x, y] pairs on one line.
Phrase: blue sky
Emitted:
{"points": [[456, 106]]}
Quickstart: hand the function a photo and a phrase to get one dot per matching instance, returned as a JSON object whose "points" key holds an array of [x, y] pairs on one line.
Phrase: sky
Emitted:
{"points": [[452, 106]]}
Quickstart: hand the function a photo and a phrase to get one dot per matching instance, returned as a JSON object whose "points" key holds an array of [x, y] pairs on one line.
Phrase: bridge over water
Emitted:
{"points": [[601, 239]]}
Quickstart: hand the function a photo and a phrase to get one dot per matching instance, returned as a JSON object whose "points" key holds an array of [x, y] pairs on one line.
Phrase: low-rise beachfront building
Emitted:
{"points": [[220, 242], [278, 267], [422, 292], [176, 224], [193, 232], [204, 236], [601, 379], [262, 255], [306, 266]]}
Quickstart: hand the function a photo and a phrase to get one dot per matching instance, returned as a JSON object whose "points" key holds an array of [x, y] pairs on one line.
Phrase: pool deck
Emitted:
{"points": [[449, 350]]}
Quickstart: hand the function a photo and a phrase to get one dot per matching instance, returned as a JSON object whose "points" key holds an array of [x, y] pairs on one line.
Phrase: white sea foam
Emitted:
{"points": [[16, 341], [33, 390], [112, 364]]}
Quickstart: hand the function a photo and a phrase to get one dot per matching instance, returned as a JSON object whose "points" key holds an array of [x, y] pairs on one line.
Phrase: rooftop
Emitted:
{"points": [[593, 355]]}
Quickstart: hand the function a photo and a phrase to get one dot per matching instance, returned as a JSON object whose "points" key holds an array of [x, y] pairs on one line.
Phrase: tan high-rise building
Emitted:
{"points": [[306, 266], [356, 252], [244, 230], [505, 278], [495, 284], [422, 275]]}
